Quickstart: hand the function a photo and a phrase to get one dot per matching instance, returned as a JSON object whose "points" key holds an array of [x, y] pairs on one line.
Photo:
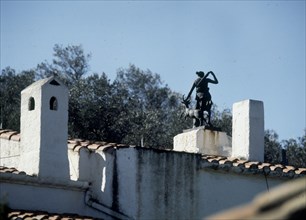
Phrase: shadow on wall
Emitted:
{"points": [[99, 168]]}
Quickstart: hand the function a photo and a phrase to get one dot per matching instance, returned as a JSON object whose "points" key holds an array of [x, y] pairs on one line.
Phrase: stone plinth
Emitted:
{"points": [[204, 141], [248, 130]]}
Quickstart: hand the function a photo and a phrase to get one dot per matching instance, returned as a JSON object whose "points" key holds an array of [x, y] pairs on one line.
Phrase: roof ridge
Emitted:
{"points": [[23, 214], [221, 161], [251, 167]]}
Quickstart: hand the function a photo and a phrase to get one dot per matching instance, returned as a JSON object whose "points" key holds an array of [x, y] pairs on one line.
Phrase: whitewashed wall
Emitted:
{"points": [[219, 191], [142, 183], [150, 184], [9, 152], [171, 186], [47, 198]]}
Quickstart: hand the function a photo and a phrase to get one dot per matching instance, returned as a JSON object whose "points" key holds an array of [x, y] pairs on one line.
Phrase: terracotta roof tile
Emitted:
{"points": [[25, 214], [264, 165], [276, 168], [232, 159], [250, 167], [93, 146], [301, 171], [76, 145], [3, 131], [10, 135], [78, 148], [11, 170]]}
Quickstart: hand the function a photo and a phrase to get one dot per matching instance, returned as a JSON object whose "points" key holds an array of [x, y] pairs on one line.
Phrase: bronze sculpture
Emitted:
{"points": [[203, 100]]}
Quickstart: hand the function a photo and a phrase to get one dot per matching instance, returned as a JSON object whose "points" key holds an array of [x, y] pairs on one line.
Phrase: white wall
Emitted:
{"points": [[142, 183], [96, 167], [9, 153], [166, 185], [152, 184], [44, 198], [219, 191]]}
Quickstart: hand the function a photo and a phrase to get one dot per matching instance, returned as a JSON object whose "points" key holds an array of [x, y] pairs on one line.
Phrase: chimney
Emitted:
{"points": [[44, 129], [248, 130]]}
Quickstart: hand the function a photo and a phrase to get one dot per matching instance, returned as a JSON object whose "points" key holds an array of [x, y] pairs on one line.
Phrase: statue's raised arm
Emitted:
{"points": [[190, 92], [215, 80]]}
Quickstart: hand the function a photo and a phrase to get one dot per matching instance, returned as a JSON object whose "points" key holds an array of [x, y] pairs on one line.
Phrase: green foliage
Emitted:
{"points": [[11, 85], [272, 147], [150, 108], [70, 63], [296, 151], [222, 119], [90, 108]]}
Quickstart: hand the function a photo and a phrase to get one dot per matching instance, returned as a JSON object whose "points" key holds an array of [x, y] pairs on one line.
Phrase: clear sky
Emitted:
{"points": [[255, 48]]}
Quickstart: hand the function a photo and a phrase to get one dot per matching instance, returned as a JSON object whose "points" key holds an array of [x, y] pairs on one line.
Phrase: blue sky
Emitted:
{"points": [[255, 48]]}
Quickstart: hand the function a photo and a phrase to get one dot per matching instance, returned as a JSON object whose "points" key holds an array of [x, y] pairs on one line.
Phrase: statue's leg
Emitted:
{"points": [[196, 122], [209, 113], [198, 104], [202, 120], [202, 113]]}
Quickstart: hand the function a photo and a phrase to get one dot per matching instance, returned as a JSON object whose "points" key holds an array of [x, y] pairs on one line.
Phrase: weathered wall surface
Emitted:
{"points": [[9, 152], [167, 185], [205, 141], [54, 200], [248, 130], [99, 168], [152, 184], [219, 191]]}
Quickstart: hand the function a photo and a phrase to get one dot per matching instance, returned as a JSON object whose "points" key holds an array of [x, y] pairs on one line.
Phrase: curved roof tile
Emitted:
{"points": [[250, 167], [29, 214], [11, 170], [10, 135]]}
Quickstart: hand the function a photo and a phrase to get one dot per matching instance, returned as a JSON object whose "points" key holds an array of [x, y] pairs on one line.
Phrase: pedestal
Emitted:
{"points": [[204, 141]]}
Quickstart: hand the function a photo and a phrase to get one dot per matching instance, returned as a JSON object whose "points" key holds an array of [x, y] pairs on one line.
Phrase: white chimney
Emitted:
{"points": [[248, 130], [44, 129]]}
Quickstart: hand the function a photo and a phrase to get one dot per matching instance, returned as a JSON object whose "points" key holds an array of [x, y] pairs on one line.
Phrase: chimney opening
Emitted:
{"points": [[53, 103], [31, 104], [54, 82]]}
